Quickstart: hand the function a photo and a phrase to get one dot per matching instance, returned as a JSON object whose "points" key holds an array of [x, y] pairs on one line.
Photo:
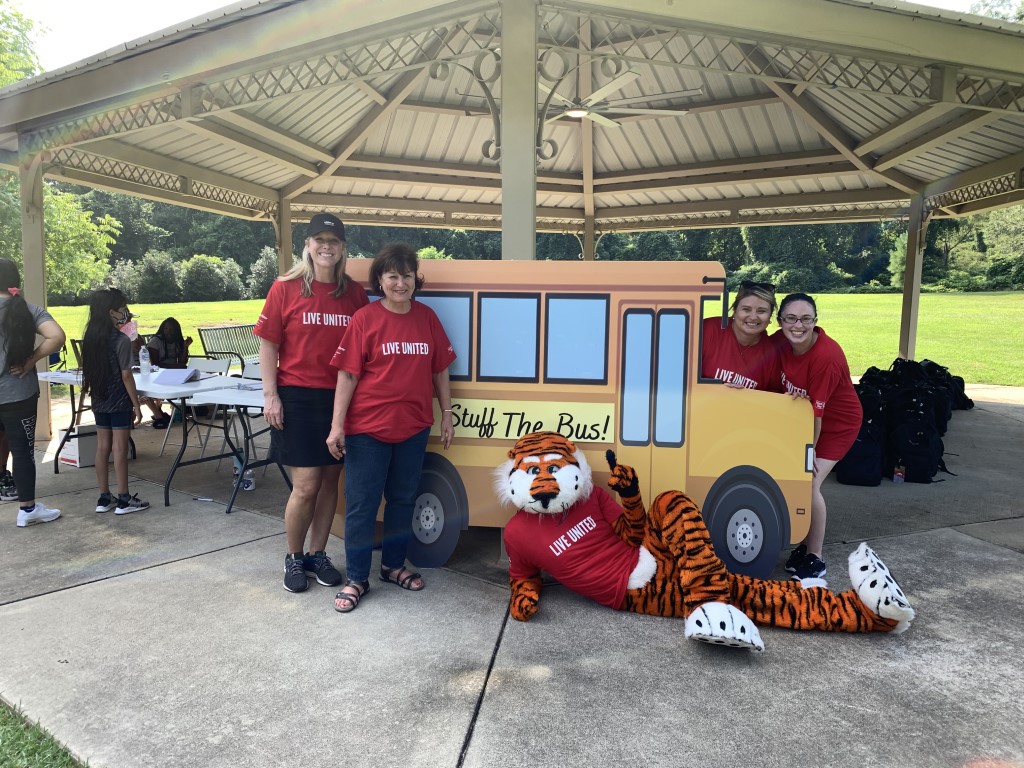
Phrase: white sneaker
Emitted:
{"points": [[132, 504], [40, 514]]}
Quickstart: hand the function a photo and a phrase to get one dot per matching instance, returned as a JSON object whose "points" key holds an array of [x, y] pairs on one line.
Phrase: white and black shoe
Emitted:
{"points": [[128, 504], [105, 502]]}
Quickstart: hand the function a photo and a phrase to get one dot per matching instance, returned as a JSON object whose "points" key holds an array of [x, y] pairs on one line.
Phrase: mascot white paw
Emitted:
{"points": [[722, 624], [877, 589]]}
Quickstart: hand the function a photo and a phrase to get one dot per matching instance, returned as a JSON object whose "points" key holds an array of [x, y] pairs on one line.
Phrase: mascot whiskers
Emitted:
{"points": [[661, 562]]}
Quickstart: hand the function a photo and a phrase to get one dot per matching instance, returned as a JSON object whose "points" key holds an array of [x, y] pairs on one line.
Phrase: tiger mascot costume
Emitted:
{"points": [[662, 562]]}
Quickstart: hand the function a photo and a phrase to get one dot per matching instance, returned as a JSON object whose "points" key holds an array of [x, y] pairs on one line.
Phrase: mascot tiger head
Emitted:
{"points": [[545, 474]]}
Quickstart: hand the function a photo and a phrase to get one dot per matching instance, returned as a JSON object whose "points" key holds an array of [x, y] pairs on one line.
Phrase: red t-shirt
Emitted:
{"points": [[307, 329], [725, 359], [823, 375], [580, 549], [395, 357]]}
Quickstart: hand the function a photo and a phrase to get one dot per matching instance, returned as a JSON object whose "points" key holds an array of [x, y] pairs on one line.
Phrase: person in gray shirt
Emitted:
{"points": [[20, 325]]}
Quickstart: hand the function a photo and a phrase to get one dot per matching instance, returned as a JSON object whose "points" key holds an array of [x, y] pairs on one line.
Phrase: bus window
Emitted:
{"points": [[572, 357], [638, 346], [670, 384], [455, 313], [508, 340]]}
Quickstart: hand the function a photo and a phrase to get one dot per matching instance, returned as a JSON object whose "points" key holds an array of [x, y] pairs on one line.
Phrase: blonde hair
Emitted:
{"points": [[303, 270]]}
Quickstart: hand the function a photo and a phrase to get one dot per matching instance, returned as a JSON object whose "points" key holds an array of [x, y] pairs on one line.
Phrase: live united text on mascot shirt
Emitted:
{"points": [[307, 330], [581, 550], [395, 358], [725, 359]]}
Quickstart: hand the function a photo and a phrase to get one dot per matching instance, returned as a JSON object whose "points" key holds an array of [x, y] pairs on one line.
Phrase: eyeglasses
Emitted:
{"points": [[793, 320], [763, 286]]}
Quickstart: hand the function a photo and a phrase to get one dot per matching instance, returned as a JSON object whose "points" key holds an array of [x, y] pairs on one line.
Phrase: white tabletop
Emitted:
{"points": [[147, 387]]}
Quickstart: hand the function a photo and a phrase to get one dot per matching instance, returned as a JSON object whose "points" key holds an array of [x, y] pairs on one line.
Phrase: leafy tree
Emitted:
{"points": [[158, 279], [657, 246], [18, 58], [138, 233], [208, 278], [723, 244], [435, 254], [77, 246], [124, 275], [1008, 10], [262, 274]]}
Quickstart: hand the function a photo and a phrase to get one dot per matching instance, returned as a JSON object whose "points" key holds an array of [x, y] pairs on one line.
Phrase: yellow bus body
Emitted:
{"points": [[741, 454]]}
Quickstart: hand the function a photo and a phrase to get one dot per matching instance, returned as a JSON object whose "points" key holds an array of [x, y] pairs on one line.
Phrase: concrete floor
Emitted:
{"points": [[164, 638]]}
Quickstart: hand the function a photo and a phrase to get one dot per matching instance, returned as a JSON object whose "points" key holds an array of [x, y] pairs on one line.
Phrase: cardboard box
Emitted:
{"points": [[80, 451]]}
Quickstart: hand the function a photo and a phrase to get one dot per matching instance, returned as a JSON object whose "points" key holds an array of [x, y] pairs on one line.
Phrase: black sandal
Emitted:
{"points": [[351, 601], [405, 582]]}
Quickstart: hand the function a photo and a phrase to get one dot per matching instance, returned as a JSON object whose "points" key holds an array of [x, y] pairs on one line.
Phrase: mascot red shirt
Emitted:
{"points": [[589, 558], [661, 562]]}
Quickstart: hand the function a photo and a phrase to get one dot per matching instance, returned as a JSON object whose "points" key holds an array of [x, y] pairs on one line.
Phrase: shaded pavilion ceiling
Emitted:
{"points": [[389, 112]]}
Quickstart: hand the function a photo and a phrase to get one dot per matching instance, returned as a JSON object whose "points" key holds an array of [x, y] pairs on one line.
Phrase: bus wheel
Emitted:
{"points": [[439, 514], [745, 516]]}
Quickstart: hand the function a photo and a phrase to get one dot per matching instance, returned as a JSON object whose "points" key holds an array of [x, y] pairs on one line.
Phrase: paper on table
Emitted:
{"points": [[176, 376]]}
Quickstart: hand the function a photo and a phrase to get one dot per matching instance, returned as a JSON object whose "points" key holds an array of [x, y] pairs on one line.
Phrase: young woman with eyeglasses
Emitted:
{"points": [[741, 355], [814, 366]]}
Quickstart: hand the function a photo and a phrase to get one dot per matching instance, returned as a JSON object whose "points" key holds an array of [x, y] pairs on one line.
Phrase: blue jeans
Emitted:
{"points": [[374, 469]]}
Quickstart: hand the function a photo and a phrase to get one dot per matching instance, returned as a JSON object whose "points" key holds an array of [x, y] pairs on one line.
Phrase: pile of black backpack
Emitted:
{"points": [[906, 409]]}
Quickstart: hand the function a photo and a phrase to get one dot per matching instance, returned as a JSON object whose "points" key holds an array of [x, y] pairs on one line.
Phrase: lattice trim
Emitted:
{"points": [[983, 189]]}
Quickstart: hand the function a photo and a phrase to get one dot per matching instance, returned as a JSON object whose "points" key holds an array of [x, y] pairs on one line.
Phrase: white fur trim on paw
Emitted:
{"points": [[877, 588], [722, 624], [808, 583]]}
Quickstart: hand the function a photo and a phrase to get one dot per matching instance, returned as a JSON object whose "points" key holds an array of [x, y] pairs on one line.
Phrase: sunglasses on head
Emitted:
{"points": [[762, 286]]}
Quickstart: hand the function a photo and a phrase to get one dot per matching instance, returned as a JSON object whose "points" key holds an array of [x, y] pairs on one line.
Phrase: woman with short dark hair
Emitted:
{"points": [[391, 363]]}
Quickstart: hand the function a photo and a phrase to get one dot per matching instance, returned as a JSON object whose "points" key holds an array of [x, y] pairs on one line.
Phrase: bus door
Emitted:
{"points": [[652, 396]]}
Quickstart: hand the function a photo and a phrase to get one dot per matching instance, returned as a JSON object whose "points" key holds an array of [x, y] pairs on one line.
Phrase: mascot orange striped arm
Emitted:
{"points": [[662, 562]]}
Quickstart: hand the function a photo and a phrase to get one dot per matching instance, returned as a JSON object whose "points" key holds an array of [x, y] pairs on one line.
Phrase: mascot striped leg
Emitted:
{"points": [[690, 574]]}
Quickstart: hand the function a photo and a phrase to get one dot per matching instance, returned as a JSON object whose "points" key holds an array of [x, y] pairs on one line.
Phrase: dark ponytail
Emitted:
{"points": [[97, 360], [18, 327]]}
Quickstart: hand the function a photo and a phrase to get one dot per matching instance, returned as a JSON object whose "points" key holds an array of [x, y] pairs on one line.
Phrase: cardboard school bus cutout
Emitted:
{"points": [[608, 354]]}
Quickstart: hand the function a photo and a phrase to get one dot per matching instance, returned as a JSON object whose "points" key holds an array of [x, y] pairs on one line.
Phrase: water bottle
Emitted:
{"points": [[145, 367]]}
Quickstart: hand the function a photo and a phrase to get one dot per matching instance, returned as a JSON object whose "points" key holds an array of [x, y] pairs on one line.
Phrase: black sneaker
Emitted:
{"points": [[796, 557], [813, 567], [128, 504], [295, 574], [105, 502], [319, 564], [8, 490]]}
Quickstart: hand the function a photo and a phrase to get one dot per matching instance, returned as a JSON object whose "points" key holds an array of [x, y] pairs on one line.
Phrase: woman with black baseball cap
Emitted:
{"points": [[303, 320]]}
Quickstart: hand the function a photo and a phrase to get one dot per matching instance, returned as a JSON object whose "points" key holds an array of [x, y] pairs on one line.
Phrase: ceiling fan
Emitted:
{"points": [[594, 106]]}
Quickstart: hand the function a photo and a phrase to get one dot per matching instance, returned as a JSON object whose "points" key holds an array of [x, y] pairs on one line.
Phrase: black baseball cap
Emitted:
{"points": [[325, 222]]}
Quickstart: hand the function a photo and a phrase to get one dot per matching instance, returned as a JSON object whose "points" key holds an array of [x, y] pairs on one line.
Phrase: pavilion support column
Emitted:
{"points": [[589, 242], [33, 270], [518, 129], [283, 226], [917, 228]]}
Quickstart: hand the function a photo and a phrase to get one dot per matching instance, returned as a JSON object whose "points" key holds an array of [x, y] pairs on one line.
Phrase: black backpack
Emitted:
{"points": [[917, 448], [864, 463]]}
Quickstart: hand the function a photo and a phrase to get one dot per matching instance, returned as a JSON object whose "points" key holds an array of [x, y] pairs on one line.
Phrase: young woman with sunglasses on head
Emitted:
{"points": [[741, 355], [814, 366]]}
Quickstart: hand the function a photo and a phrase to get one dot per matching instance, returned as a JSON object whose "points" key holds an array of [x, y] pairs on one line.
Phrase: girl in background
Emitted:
{"points": [[20, 323], [107, 377]]}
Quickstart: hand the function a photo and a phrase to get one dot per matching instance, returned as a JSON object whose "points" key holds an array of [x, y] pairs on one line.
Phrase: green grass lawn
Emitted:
{"points": [[979, 336], [24, 745]]}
